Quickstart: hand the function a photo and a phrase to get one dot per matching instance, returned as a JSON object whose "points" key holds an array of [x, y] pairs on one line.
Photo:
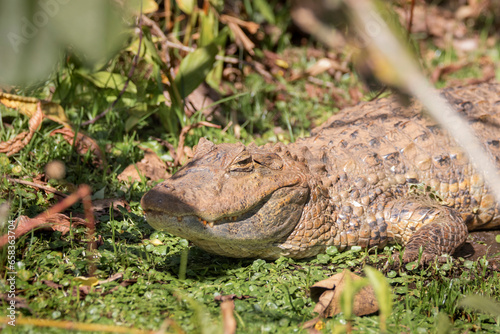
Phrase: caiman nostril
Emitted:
{"points": [[169, 187]]}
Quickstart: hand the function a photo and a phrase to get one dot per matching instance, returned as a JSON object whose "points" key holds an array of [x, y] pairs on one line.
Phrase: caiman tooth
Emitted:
{"points": [[179, 219], [234, 218], [211, 224], [204, 222]]}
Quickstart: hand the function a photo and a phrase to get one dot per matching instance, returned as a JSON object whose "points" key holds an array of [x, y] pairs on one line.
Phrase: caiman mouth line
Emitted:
{"points": [[223, 220], [201, 220]]}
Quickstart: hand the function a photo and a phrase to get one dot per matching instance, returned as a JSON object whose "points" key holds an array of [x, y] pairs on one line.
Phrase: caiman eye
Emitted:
{"points": [[243, 165]]}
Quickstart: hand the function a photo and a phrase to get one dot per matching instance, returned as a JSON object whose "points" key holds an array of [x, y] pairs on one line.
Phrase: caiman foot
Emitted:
{"points": [[444, 235]]}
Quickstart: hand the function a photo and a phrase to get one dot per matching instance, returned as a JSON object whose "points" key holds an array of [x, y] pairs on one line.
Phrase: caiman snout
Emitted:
{"points": [[166, 199]]}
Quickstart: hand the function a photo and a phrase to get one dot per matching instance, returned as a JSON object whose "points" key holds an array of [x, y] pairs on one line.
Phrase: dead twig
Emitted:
{"points": [[166, 44], [169, 147], [115, 277], [83, 193], [182, 137], [36, 185], [410, 19]]}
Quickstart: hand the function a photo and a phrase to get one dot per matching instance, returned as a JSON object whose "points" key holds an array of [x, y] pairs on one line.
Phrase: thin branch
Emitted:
{"points": [[182, 137], [410, 19], [35, 185], [168, 44]]}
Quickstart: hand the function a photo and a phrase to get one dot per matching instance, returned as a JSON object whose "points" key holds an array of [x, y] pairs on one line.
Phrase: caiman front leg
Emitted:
{"points": [[422, 224]]}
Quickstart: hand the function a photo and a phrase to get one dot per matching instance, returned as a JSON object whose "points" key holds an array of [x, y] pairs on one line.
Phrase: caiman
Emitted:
{"points": [[374, 174]]}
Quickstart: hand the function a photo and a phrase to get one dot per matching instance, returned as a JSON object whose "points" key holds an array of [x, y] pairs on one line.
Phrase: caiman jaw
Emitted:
{"points": [[252, 234]]}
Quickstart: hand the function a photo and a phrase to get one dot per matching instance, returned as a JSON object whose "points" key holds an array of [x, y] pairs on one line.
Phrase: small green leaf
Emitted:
{"points": [[187, 6], [208, 28], [99, 194], [332, 250], [115, 81], [265, 10], [144, 6], [323, 258], [194, 69], [468, 264], [411, 265], [497, 238], [356, 249]]}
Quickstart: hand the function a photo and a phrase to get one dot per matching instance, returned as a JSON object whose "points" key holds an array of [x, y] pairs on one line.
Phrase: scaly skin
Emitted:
{"points": [[362, 178]]}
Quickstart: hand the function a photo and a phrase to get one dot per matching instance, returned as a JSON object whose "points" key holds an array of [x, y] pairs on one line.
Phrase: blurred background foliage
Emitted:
{"points": [[152, 68]]}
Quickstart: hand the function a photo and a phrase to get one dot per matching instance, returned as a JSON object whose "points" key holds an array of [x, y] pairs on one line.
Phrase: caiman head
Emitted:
{"points": [[231, 200]]}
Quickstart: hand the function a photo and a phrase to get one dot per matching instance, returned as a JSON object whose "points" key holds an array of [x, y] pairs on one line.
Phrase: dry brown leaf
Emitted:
{"points": [[327, 295], [151, 167], [28, 106], [83, 144], [489, 73], [52, 284], [447, 69], [355, 94], [228, 321], [202, 98], [101, 206], [16, 144], [55, 222], [81, 291], [24, 104], [19, 302]]}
